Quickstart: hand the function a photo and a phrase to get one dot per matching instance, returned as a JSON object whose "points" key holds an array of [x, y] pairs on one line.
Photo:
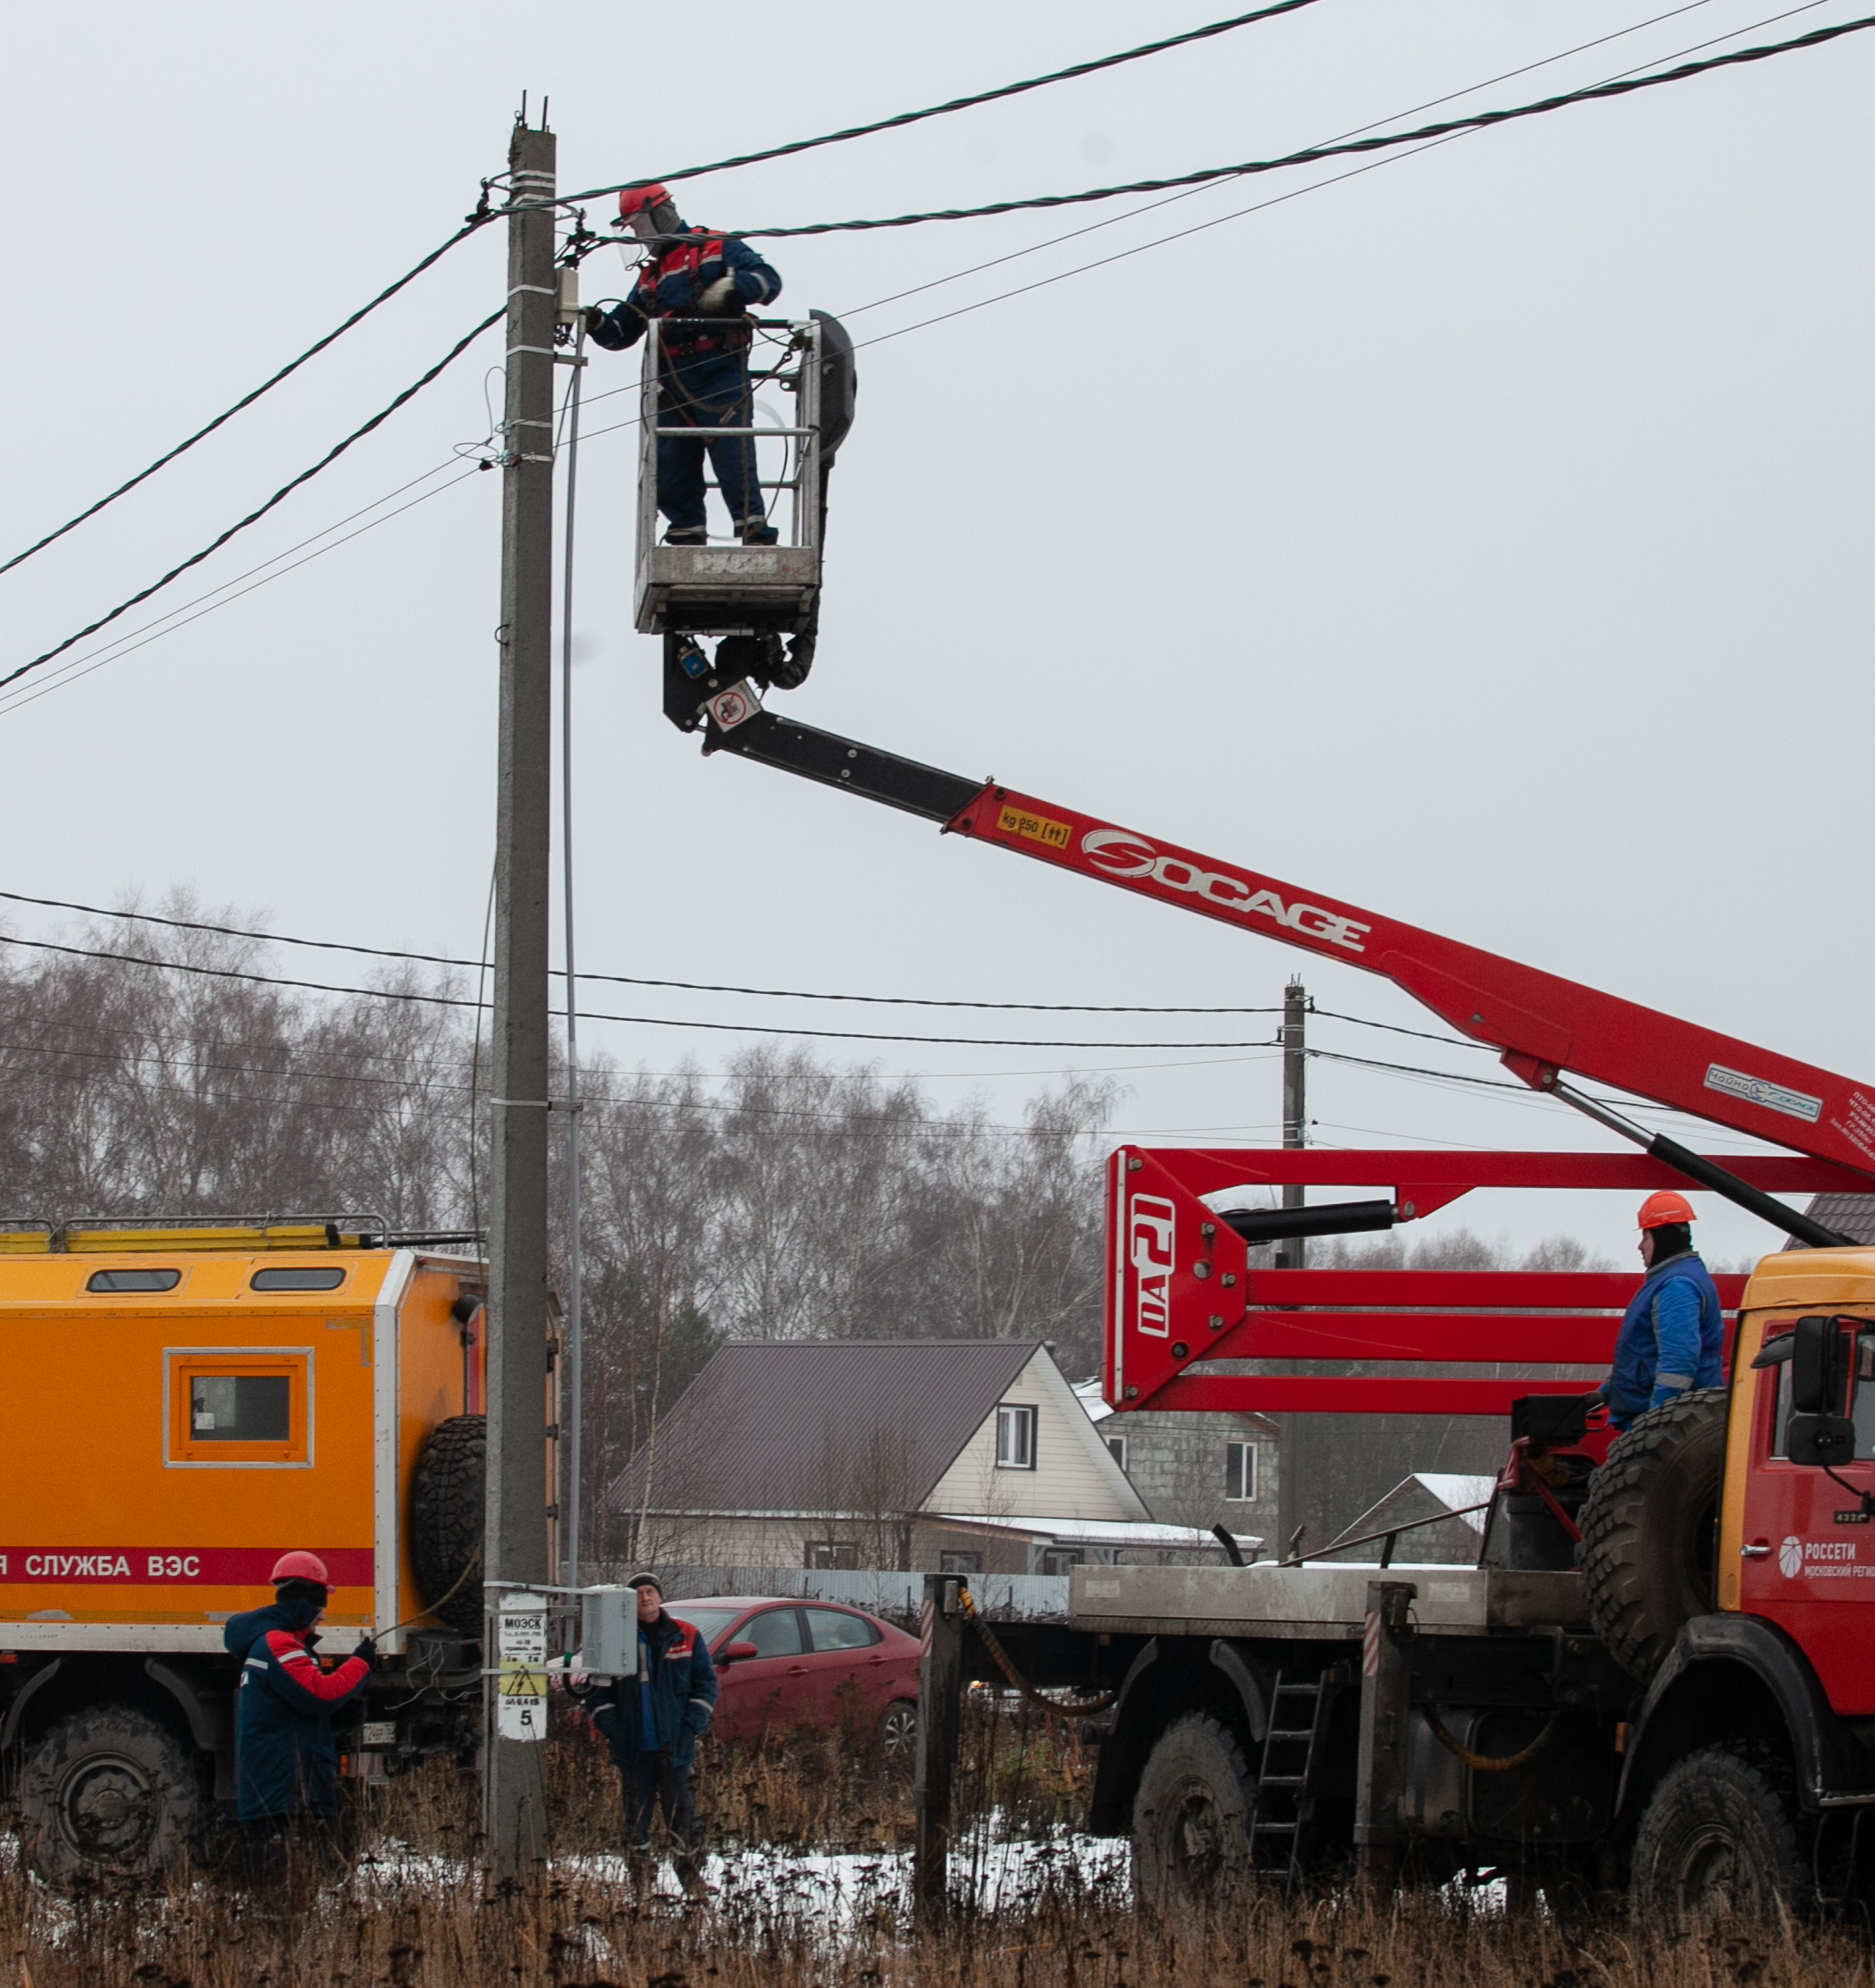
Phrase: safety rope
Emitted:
{"points": [[1000, 1657], [1484, 1764]]}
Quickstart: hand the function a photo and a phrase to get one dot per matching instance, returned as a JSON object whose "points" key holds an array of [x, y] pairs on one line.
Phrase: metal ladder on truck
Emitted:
{"points": [[1298, 1747]]}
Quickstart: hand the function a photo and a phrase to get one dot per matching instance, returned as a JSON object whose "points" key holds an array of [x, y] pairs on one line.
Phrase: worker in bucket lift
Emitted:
{"points": [[1672, 1336], [651, 1722], [706, 283], [286, 1758]]}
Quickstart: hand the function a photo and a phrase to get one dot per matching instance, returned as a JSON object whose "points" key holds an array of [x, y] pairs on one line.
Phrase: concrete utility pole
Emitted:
{"points": [[1292, 1439], [516, 1543]]}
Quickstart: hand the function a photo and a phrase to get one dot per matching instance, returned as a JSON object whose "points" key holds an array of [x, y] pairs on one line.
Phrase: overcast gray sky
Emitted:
{"points": [[1481, 539]]}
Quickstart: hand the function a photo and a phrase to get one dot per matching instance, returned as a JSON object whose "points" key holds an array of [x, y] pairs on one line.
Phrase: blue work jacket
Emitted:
{"points": [[286, 1757], [1672, 1338], [676, 1680], [706, 364]]}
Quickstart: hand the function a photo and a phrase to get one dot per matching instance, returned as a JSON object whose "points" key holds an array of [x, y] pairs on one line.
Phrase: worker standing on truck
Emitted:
{"points": [[690, 274], [1672, 1336], [286, 1760], [653, 1721]]}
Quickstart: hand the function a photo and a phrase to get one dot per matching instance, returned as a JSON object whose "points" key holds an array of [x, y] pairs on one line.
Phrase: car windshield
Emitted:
{"points": [[708, 1622]]}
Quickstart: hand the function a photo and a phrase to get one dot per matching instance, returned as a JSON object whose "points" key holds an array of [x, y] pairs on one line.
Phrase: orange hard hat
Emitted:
{"points": [[633, 198], [1659, 1210], [300, 1566]]}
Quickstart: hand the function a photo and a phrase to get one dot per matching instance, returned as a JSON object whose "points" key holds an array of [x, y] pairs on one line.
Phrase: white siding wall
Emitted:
{"points": [[1074, 1475]]}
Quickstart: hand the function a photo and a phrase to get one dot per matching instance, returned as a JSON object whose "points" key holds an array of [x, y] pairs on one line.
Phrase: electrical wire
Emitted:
{"points": [[615, 979], [80, 667], [585, 1014], [253, 517], [937, 110], [246, 399], [1312, 155], [1431, 103]]}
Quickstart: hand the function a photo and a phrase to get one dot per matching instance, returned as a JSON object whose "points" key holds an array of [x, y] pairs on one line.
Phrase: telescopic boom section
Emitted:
{"points": [[1541, 1025]]}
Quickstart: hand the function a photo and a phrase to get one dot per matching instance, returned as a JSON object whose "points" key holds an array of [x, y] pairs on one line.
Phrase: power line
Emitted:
{"points": [[246, 399], [1413, 110], [180, 618], [937, 110], [585, 1014], [618, 980], [285, 490], [1312, 155]]}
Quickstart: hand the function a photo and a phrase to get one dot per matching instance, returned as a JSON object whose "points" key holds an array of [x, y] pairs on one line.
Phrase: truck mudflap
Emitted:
{"points": [[1692, 1701]]}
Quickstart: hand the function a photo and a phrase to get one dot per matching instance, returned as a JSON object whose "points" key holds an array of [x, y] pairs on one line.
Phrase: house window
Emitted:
{"points": [[1058, 1560], [1015, 1437], [960, 1563], [1239, 1471], [238, 1407], [833, 1554], [1116, 1449]]}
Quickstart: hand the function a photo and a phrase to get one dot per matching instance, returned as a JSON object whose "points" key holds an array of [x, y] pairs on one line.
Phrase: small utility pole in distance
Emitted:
{"points": [[1292, 1255], [517, 1493]]}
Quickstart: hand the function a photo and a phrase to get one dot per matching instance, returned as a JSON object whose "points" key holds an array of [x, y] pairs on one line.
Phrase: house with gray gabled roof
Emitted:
{"points": [[963, 1455]]}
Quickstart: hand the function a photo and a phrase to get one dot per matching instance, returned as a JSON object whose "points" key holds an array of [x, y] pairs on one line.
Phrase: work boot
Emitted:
{"points": [[755, 532], [687, 534], [689, 1876]]}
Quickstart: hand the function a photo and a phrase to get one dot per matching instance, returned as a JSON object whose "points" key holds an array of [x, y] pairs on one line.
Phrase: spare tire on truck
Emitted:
{"points": [[1650, 1529], [448, 1513]]}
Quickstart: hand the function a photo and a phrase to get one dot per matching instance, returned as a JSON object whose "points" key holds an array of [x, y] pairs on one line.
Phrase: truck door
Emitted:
{"points": [[1809, 1550]]}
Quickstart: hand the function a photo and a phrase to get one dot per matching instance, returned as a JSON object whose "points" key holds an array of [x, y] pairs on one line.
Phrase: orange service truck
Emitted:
{"points": [[179, 1406]]}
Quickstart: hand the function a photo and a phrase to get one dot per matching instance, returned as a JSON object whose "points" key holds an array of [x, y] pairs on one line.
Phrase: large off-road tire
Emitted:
{"points": [[1717, 1841], [448, 1513], [110, 1795], [1650, 1528], [1192, 1817]]}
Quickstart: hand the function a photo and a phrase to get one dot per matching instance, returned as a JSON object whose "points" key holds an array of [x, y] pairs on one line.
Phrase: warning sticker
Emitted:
{"points": [[521, 1674], [1034, 827]]}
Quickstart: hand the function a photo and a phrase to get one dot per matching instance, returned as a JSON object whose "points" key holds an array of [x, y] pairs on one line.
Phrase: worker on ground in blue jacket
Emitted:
{"points": [[286, 1760], [1672, 1336], [652, 1722], [690, 274]]}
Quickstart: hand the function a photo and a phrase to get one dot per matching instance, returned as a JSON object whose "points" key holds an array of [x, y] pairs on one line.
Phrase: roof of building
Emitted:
{"points": [[773, 1426], [1850, 1215], [1449, 1494]]}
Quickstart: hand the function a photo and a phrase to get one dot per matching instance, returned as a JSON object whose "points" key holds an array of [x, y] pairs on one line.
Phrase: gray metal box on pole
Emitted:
{"points": [[609, 1632], [518, 1488]]}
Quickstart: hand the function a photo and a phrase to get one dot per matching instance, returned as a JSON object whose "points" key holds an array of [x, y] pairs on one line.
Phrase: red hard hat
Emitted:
{"points": [[300, 1566], [634, 198], [1659, 1210]]}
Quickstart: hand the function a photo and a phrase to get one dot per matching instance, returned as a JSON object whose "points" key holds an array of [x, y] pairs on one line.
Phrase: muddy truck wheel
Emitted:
{"points": [[448, 1511], [1718, 1841], [1650, 1529], [1191, 1818], [109, 1794]]}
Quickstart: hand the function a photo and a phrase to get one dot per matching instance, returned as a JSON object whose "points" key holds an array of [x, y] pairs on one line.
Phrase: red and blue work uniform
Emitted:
{"points": [[703, 372], [653, 1721], [1672, 1338], [286, 1757]]}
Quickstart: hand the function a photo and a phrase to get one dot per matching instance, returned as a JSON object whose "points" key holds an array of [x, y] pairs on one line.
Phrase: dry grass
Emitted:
{"points": [[411, 1913]]}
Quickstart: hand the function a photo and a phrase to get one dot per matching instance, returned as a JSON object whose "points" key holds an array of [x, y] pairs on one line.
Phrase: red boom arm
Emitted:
{"points": [[1540, 1023]]}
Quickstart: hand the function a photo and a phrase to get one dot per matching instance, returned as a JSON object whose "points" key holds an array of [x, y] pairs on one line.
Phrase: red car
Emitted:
{"points": [[783, 1663]]}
